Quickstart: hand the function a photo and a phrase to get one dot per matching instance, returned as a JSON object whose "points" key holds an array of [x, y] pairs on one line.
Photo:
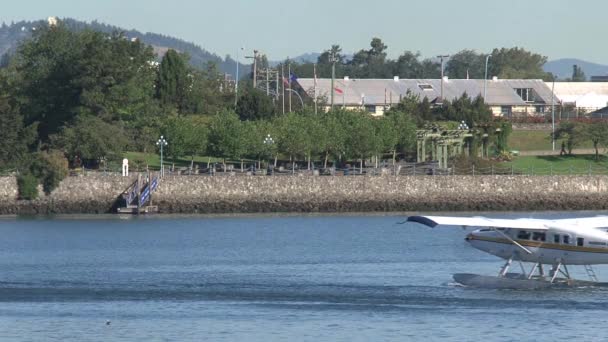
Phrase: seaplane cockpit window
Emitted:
{"points": [[556, 238], [524, 235], [580, 242], [538, 236], [566, 239]]}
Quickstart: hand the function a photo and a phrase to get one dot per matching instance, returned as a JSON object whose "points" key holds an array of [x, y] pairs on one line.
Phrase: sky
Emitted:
{"points": [[284, 28]]}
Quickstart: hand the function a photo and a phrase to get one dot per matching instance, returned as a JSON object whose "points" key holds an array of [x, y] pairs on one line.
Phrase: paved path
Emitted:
{"points": [[557, 150]]}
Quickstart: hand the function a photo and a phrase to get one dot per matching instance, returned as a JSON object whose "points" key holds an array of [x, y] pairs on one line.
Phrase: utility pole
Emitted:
{"points": [[289, 79], [442, 57], [255, 67], [267, 81], [333, 61]]}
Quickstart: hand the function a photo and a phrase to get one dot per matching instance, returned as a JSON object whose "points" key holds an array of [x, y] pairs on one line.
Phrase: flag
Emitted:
{"points": [[285, 81], [293, 77], [338, 90]]}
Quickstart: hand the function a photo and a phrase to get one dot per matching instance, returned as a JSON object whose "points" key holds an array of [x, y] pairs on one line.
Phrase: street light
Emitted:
{"points": [[442, 57], [162, 143], [268, 141], [485, 79]]}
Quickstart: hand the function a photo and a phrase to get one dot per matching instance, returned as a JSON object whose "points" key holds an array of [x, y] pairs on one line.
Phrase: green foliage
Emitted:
{"points": [[502, 136], [187, 136], [597, 133], [466, 64], [27, 185], [471, 111], [517, 63], [226, 138], [572, 132], [91, 138], [50, 167], [62, 74], [173, 82], [254, 105]]}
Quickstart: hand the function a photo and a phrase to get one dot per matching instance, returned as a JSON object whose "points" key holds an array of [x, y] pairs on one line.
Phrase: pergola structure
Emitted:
{"points": [[443, 144]]}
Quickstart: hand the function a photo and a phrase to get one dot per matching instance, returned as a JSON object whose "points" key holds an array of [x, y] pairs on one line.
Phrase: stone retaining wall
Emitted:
{"points": [[229, 194]]}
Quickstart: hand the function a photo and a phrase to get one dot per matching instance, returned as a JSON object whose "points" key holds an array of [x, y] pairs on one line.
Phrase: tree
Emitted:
{"points": [[226, 139], [578, 75], [597, 133], [572, 132], [517, 63], [407, 65], [254, 105], [16, 138], [187, 136], [466, 64], [173, 81], [90, 139]]}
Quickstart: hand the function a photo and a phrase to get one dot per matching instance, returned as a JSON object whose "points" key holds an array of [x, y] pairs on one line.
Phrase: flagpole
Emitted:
{"points": [[289, 77], [283, 85], [314, 67]]}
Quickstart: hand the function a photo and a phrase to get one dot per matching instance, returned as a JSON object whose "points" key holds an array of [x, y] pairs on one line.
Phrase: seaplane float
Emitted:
{"points": [[558, 243]]}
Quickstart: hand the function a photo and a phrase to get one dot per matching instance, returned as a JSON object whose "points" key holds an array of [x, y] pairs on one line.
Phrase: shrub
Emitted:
{"points": [[50, 168], [28, 186]]}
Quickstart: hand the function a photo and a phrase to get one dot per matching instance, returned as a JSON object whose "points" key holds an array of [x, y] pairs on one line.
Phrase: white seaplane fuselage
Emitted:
{"points": [[568, 245]]}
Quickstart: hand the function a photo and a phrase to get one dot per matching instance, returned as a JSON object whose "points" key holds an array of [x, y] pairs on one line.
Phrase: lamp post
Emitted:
{"points": [[236, 79], [162, 143], [268, 141], [553, 115], [485, 79], [442, 57]]}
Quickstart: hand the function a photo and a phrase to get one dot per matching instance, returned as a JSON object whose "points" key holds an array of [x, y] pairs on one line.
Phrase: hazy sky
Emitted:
{"points": [[281, 28]]}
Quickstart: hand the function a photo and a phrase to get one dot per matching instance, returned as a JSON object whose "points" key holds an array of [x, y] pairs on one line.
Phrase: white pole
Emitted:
{"points": [[485, 80], [553, 114]]}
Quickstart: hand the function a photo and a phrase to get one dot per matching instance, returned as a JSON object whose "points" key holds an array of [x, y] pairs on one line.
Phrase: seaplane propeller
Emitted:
{"points": [[558, 243]]}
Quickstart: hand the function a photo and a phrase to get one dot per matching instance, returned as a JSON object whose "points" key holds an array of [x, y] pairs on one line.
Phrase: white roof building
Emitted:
{"points": [[584, 95]]}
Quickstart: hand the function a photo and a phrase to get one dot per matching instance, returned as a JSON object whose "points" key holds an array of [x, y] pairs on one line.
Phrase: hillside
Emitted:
{"points": [[11, 35], [563, 67]]}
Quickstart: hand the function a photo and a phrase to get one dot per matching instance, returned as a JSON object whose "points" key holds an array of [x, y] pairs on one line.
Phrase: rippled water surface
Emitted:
{"points": [[296, 278]]}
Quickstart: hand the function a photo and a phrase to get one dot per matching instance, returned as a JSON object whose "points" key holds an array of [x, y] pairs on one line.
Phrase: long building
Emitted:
{"points": [[505, 97]]}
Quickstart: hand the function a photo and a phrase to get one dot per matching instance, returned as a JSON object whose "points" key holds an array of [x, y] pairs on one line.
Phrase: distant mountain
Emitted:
{"points": [[12, 35], [563, 68]]}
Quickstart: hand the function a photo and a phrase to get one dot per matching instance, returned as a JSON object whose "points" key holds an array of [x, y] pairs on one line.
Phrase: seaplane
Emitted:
{"points": [[558, 243]]}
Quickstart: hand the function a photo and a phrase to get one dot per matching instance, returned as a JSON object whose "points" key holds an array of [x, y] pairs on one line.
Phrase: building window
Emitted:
{"points": [[540, 109], [526, 94], [425, 86], [505, 110], [371, 109]]}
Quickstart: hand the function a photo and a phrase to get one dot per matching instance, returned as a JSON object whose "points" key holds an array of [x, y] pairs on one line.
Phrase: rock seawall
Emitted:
{"points": [[248, 194]]}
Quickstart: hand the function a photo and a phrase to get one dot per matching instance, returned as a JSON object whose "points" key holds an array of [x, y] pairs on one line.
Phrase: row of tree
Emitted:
{"points": [[374, 63], [576, 133]]}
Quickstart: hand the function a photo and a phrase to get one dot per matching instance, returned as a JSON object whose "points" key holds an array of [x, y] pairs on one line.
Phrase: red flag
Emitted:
{"points": [[338, 90]]}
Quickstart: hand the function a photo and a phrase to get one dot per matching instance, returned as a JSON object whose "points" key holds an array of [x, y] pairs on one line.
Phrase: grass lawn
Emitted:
{"points": [[576, 164], [153, 160], [535, 140]]}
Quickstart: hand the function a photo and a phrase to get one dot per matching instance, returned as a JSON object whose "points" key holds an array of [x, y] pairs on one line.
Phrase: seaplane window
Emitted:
{"points": [[523, 235], [556, 238], [580, 242], [537, 236]]}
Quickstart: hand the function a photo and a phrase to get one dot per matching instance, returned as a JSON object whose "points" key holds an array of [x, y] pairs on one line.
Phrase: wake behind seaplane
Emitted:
{"points": [[558, 243]]}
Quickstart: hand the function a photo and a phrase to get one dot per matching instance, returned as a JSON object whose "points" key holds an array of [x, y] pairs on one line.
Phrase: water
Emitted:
{"points": [[296, 278]]}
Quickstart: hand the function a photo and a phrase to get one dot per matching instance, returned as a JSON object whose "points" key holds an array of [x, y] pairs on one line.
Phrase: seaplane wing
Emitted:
{"points": [[522, 223], [587, 222]]}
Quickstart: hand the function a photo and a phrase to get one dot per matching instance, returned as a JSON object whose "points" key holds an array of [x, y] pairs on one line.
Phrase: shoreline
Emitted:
{"points": [[284, 195]]}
